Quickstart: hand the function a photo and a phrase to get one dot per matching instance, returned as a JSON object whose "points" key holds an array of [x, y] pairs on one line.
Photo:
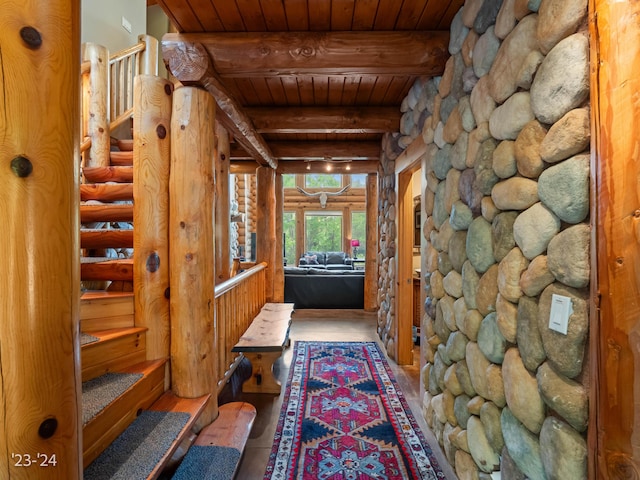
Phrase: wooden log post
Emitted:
{"points": [[192, 261], [148, 62], [278, 267], [371, 254], [95, 104], [266, 225], [222, 205], [40, 394], [151, 164], [614, 419]]}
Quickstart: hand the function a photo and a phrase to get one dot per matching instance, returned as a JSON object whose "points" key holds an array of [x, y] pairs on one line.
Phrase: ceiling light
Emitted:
{"points": [[329, 167]]}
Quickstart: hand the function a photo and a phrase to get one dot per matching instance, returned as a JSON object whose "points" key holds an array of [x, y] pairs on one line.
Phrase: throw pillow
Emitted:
{"points": [[311, 259]]}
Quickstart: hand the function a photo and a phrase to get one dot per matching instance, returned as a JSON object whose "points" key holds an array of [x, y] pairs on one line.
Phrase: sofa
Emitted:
{"points": [[309, 287], [326, 260]]}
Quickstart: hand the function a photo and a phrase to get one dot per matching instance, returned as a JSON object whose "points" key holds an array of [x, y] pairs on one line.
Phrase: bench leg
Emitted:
{"points": [[262, 379]]}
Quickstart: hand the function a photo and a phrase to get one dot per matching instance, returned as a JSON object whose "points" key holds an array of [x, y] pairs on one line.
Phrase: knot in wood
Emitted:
{"points": [[304, 51], [161, 131], [168, 89], [153, 262], [21, 166], [48, 428], [31, 37]]}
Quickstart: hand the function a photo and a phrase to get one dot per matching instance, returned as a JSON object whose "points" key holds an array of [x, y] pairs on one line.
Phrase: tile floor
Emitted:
{"points": [[325, 325]]}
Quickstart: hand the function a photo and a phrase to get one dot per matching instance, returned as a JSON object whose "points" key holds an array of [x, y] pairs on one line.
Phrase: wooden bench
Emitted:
{"points": [[262, 344]]}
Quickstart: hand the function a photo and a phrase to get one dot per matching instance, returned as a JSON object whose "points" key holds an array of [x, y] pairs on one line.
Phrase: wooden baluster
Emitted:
{"points": [[39, 314], [151, 164], [192, 261], [95, 105]]}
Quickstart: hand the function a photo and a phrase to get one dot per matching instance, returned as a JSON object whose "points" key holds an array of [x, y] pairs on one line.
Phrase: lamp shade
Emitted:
{"points": [[355, 243]]}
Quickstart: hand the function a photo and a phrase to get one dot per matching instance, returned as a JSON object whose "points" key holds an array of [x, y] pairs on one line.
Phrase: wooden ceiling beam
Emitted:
{"points": [[276, 54], [190, 63], [355, 167], [325, 119], [317, 150]]}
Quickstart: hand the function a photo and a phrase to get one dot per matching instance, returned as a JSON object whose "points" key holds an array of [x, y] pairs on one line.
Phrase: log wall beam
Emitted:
{"points": [[192, 261], [325, 119], [40, 391], [278, 267], [371, 254], [189, 62], [275, 54], [151, 166], [222, 205], [266, 226], [318, 150]]}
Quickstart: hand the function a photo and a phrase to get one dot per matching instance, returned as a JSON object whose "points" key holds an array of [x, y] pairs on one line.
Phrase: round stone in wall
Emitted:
{"points": [[502, 239], [564, 188], [528, 335], [564, 396], [509, 119], [563, 450], [483, 454], [562, 81], [568, 256], [479, 247], [534, 228], [491, 342], [523, 446], [564, 352], [568, 136]]}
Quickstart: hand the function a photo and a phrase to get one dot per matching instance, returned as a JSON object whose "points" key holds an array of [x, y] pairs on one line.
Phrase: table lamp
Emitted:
{"points": [[355, 244]]}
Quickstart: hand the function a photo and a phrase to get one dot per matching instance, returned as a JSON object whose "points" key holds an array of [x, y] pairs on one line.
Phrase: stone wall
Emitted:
{"points": [[507, 228]]}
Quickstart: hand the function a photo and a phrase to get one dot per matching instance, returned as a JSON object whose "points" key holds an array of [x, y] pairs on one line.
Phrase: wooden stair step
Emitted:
{"points": [[108, 174], [122, 158], [106, 212], [230, 430], [106, 192], [115, 349], [125, 144], [104, 268], [106, 238], [168, 402], [100, 310], [105, 427]]}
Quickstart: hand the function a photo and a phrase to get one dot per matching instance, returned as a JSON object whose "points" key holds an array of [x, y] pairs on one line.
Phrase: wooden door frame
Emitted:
{"points": [[406, 165]]}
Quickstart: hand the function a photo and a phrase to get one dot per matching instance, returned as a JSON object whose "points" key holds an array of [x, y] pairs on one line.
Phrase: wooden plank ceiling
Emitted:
{"points": [[300, 80]]}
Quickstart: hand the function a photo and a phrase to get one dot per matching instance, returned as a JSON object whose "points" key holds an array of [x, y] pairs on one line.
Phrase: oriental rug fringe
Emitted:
{"points": [[344, 417]]}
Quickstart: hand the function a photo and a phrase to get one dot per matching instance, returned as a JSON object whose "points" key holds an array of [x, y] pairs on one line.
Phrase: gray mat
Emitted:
{"points": [[136, 452], [86, 338], [101, 391], [208, 463]]}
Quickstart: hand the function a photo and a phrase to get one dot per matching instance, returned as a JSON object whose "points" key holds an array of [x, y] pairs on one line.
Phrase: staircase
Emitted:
{"points": [[121, 386]]}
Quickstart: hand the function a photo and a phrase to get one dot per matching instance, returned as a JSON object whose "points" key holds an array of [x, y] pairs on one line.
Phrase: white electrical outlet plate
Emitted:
{"points": [[126, 24], [561, 310]]}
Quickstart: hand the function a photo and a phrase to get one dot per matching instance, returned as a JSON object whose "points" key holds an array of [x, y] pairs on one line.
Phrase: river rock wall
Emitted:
{"points": [[507, 227]]}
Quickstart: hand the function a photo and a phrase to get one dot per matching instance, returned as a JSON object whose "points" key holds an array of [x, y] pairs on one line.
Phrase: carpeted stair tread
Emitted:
{"points": [[217, 451], [136, 453], [208, 463], [86, 339], [99, 392]]}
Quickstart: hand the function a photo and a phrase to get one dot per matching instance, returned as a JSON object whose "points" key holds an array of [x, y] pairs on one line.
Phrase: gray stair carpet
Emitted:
{"points": [[208, 463], [86, 338], [101, 391], [137, 451]]}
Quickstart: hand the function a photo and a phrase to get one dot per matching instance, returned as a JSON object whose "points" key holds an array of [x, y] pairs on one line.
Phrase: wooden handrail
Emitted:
{"points": [[227, 285]]}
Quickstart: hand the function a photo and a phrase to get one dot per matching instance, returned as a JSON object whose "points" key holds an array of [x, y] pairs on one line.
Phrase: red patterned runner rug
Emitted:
{"points": [[344, 417]]}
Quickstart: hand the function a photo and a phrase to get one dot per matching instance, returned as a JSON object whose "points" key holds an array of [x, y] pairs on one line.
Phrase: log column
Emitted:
{"points": [[266, 226], [278, 266], [95, 104], [191, 229], [40, 395], [222, 205], [371, 254], [151, 164]]}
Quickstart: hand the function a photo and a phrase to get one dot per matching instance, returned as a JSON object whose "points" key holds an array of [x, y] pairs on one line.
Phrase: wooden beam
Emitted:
{"points": [[410, 158], [277, 54], [371, 254], [325, 119], [266, 226], [241, 167], [318, 150], [189, 62], [355, 167]]}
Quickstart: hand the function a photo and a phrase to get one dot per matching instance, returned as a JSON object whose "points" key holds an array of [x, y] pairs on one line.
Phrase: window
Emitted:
{"points": [[323, 232], [322, 180], [289, 180], [358, 181], [359, 231], [289, 241]]}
